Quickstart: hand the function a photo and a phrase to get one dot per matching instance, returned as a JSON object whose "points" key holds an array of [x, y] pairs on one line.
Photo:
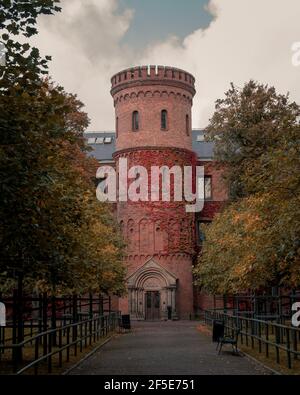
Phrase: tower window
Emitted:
{"points": [[164, 119], [117, 127], [187, 125], [135, 121]]}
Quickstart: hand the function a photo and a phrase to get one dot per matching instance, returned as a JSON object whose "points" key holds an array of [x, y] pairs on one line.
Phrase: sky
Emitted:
{"points": [[218, 41], [156, 20]]}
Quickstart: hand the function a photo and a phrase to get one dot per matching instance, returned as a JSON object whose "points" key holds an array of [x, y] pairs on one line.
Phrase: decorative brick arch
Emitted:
{"points": [[152, 277]]}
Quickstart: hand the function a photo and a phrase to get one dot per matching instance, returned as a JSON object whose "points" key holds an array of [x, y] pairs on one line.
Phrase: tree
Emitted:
{"points": [[254, 242], [247, 124], [24, 66], [53, 230]]}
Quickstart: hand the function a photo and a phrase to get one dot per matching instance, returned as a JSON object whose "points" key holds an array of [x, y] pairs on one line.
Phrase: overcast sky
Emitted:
{"points": [[219, 41]]}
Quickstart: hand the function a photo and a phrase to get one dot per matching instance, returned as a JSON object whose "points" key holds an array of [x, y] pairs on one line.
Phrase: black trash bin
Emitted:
{"points": [[169, 308], [218, 330], [126, 321]]}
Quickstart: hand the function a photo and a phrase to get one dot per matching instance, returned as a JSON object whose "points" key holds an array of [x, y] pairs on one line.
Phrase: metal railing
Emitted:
{"points": [[261, 334], [60, 341]]}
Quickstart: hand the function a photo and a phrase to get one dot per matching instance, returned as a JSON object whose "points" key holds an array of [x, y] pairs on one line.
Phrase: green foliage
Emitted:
{"points": [[24, 65], [20, 16], [254, 242], [53, 230]]}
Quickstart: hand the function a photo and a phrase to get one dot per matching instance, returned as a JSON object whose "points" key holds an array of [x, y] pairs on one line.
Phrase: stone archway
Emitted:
{"points": [[151, 277]]}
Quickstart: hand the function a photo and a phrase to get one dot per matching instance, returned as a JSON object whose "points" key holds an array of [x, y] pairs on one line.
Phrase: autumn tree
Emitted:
{"points": [[53, 231], [254, 243], [248, 124]]}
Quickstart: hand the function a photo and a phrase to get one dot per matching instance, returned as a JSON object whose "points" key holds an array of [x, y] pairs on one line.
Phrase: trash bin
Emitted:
{"points": [[126, 321], [218, 330]]}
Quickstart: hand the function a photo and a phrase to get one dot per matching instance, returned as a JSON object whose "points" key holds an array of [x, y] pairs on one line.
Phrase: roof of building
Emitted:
{"points": [[103, 145]]}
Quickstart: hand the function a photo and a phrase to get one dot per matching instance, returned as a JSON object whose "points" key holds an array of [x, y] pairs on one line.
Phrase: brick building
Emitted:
{"points": [[154, 128]]}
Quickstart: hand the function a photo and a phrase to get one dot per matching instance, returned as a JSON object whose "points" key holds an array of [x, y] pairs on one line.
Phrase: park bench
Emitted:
{"points": [[232, 340]]}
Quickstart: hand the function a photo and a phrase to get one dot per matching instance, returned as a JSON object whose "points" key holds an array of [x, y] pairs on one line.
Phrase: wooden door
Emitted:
{"points": [[152, 305]]}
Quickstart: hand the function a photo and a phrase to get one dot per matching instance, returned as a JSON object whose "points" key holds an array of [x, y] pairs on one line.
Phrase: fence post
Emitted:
{"points": [[90, 305], [40, 317], [45, 321], [60, 346], [68, 343], [288, 347], [36, 354], [14, 329], [75, 320], [277, 338], [91, 317], [294, 333], [20, 316], [81, 335], [53, 318], [259, 336], [267, 338], [252, 333], [50, 350]]}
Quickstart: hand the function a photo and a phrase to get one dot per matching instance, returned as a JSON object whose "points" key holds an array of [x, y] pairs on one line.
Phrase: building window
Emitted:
{"points": [[135, 121], [208, 187], [117, 127], [187, 125], [99, 140], [200, 138], [164, 119]]}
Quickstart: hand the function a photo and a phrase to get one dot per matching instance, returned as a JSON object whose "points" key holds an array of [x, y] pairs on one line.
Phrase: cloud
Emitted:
{"points": [[246, 39], [84, 42]]}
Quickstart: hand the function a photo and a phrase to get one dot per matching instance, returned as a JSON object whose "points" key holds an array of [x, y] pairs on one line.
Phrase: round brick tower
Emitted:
{"points": [[153, 128]]}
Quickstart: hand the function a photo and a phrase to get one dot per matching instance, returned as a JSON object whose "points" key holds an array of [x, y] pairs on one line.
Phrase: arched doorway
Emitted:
{"points": [[152, 292]]}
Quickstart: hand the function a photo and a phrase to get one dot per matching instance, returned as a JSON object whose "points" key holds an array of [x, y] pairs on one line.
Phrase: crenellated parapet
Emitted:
{"points": [[153, 75]]}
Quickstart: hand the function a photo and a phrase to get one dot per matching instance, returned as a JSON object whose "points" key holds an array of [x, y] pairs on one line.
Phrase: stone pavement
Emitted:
{"points": [[165, 348]]}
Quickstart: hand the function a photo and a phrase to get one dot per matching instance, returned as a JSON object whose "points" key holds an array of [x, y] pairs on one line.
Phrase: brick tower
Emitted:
{"points": [[153, 128]]}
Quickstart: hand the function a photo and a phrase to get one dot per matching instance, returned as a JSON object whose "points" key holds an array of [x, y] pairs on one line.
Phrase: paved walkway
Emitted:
{"points": [[165, 348]]}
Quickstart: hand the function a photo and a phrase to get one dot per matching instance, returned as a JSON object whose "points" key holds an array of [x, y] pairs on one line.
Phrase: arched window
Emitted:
{"points": [[187, 125], [135, 121], [164, 119], [117, 127]]}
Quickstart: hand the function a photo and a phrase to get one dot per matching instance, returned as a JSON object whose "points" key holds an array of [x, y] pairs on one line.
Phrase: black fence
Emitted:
{"points": [[262, 335], [45, 328], [276, 305], [60, 342]]}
